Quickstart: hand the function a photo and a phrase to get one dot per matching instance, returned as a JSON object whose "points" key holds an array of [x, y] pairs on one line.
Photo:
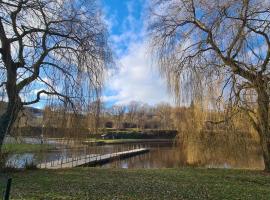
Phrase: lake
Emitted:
{"points": [[161, 155]]}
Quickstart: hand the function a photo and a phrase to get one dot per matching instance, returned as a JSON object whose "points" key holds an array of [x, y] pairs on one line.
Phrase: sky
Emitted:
{"points": [[135, 77]]}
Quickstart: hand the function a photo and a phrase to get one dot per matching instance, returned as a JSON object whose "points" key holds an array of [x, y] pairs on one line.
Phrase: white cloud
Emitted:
{"points": [[136, 80]]}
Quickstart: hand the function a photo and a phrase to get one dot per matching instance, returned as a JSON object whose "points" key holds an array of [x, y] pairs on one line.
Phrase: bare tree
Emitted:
{"points": [[118, 113], [164, 112], [94, 115], [49, 48], [195, 39], [132, 109], [142, 114]]}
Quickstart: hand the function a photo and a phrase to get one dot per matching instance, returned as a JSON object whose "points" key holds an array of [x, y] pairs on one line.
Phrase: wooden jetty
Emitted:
{"points": [[91, 160]]}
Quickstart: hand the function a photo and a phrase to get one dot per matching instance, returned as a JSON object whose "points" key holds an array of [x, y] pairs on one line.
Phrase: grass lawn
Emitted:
{"points": [[184, 183], [25, 148]]}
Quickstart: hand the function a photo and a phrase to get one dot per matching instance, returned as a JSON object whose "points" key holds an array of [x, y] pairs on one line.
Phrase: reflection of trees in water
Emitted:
{"points": [[166, 155], [219, 151], [214, 138], [161, 155], [223, 149]]}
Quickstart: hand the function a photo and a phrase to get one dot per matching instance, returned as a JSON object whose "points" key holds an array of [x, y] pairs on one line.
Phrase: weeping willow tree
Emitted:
{"points": [[50, 49], [197, 42]]}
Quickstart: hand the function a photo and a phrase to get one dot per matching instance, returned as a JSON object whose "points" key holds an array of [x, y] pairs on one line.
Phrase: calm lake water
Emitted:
{"points": [[161, 155]]}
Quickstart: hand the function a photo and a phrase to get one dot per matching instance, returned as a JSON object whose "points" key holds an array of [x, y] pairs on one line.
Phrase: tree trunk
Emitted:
{"points": [[8, 118], [4, 121], [14, 104], [263, 117]]}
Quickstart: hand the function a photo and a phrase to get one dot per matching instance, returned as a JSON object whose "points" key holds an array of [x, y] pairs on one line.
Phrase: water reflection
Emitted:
{"points": [[20, 160], [161, 155]]}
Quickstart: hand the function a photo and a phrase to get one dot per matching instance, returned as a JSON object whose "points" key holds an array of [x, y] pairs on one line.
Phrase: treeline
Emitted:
{"points": [[135, 115], [138, 116]]}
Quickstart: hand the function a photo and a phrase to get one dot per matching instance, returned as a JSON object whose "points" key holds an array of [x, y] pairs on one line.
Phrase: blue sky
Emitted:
{"points": [[136, 78]]}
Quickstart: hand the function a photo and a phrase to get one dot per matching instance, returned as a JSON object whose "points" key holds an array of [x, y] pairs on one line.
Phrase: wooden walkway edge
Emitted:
{"points": [[91, 160]]}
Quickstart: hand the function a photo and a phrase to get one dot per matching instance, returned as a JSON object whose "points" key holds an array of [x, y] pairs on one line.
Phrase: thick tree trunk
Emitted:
{"points": [[8, 118], [263, 116], [14, 104], [4, 121]]}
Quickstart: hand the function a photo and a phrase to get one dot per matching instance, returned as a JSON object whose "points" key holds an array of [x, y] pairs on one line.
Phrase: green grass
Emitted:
{"points": [[25, 148], [121, 141], [107, 184], [109, 141]]}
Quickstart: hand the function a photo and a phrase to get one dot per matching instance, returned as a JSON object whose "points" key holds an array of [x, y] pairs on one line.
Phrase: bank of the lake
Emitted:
{"points": [[183, 183], [26, 148], [125, 141]]}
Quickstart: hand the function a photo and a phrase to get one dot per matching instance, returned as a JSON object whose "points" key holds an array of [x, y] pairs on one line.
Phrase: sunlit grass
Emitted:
{"points": [[186, 183], [25, 148]]}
